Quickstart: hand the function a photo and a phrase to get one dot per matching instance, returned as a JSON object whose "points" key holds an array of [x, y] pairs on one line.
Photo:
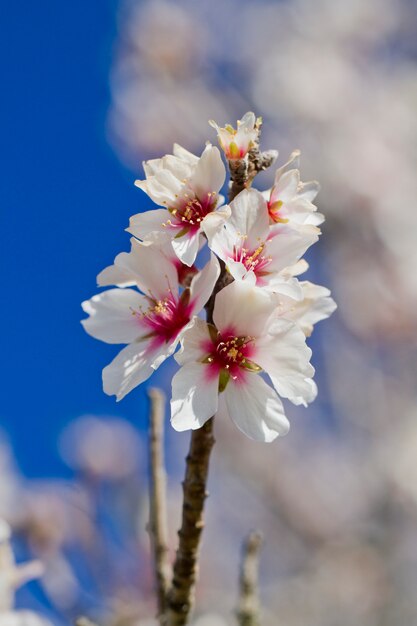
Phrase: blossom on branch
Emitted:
{"points": [[291, 201], [255, 251], [222, 363], [188, 187], [150, 322], [236, 143]]}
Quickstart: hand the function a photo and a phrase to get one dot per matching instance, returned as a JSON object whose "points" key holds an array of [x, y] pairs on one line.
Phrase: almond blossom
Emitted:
{"points": [[291, 201], [236, 143], [221, 366], [188, 187], [151, 322], [255, 251]]}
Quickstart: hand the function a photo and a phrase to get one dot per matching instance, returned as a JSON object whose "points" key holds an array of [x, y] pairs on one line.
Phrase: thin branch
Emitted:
{"points": [[158, 510], [248, 607], [181, 596]]}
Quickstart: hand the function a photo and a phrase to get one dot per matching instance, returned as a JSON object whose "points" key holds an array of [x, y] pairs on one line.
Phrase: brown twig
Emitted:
{"points": [[243, 171], [181, 596], [158, 515], [248, 607]]}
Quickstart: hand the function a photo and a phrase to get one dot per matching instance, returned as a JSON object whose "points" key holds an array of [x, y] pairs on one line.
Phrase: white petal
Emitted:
{"points": [[242, 309], [209, 174], [144, 224], [186, 247], [193, 342], [285, 286], [249, 217], [214, 221], [153, 271], [283, 353], [113, 275], [239, 271], [247, 122], [202, 284], [185, 155], [287, 245], [316, 305], [194, 397], [132, 366], [293, 163], [308, 190], [111, 315], [256, 409]]}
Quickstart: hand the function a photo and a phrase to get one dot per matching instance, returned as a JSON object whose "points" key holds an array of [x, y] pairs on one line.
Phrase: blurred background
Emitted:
{"points": [[90, 89]]}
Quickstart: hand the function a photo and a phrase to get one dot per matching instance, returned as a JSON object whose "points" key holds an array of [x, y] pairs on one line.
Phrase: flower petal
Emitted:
{"points": [[203, 283], [284, 355], [193, 342], [209, 174], [144, 224], [112, 316], [132, 366], [186, 247], [194, 397], [153, 271], [256, 409], [242, 308], [249, 217]]}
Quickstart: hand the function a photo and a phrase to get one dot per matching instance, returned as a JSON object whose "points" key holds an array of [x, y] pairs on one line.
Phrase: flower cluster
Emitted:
{"points": [[251, 348]]}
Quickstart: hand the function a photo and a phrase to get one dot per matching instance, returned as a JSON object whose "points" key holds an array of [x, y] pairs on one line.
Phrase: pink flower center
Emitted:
{"points": [[229, 355], [254, 260], [191, 211], [166, 318]]}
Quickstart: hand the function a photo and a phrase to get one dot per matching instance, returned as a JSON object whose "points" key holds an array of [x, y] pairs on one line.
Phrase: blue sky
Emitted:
{"points": [[65, 201]]}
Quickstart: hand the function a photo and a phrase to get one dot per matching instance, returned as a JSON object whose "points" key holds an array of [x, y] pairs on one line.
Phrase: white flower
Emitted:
{"points": [[255, 251], [188, 187], [289, 200], [236, 143], [151, 322], [228, 359]]}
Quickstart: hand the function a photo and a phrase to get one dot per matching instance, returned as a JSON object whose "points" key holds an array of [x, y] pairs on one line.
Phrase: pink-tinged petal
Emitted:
{"points": [[194, 342], [112, 316], [249, 217], [144, 224], [209, 174], [194, 397], [256, 409], [287, 245], [153, 272], [284, 355], [132, 366], [203, 283], [242, 308], [186, 247]]}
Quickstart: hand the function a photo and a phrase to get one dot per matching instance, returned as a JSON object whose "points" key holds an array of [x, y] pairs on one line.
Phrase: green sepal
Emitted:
{"points": [[223, 380]]}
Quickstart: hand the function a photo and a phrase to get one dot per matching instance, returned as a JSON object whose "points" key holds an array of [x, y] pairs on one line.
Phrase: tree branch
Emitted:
{"points": [[248, 607], [157, 490], [181, 596]]}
